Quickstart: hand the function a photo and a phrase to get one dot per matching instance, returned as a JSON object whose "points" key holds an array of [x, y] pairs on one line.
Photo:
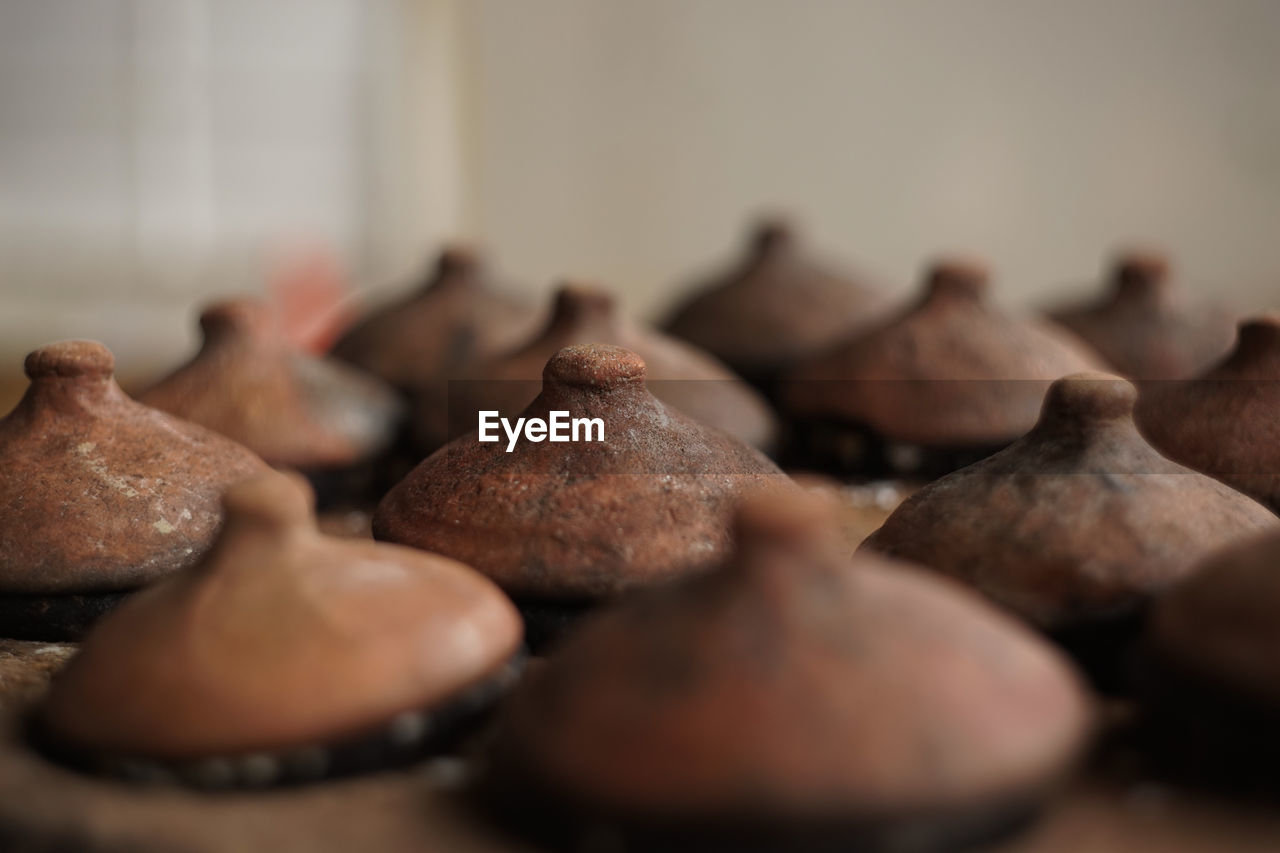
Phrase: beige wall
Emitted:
{"points": [[628, 140], [154, 152]]}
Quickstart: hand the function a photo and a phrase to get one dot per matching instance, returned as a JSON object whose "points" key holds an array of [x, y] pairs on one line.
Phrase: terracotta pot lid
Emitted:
{"points": [[581, 520], [795, 684], [1226, 422], [679, 374], [1145, 327], [775, 306], [456, 317], [295, 410], [1220, 624], [952, 370], [101, 493], [1078, 522], [280, 638]]}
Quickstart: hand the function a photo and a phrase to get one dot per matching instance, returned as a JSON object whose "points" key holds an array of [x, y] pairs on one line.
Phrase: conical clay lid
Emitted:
{"points": [[100, 493], [1226, 422], [250, 384], [952, 370], [1220, 623], [454, 319], [775, 306], [1146, 327], [794, 683], [581, 519], [1078, 521], [280, 637], [679, 374]]}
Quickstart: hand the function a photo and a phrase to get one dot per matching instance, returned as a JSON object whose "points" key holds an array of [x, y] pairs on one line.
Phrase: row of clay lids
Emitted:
{"points": [[738, 695], [104, 494], [778, 308], [458, 346], [919, 391], [764, 691]]}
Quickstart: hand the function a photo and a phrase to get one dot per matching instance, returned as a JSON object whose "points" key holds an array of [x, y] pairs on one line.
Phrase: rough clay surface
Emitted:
{"points": [[796, 682], [99, 493], [774, 307], [951, 370], [1226, 422], [281, 637], [248, 383], [582, 520], [454, 319], [1221, 622], [679, 374], [1145, 327], [1079, 520]]}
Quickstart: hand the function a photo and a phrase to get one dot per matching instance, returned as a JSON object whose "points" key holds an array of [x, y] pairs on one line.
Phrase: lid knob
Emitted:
{"points": [[788, 516], [771, 234], [579, 303], [70, 359], [1089, 397], [957, 276], [598, 366], [1141, 272], [272, 498], [457, 260], [235, 316]]}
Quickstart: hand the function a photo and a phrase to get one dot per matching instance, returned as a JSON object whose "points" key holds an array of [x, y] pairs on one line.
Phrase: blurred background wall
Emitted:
{"points": [[153, 152]]}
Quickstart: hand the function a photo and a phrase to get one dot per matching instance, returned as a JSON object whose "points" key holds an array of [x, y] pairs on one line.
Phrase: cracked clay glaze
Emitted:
{"points": [[280, 638], [100, 493], [582, 520], [1077, 524], [825, 701]]}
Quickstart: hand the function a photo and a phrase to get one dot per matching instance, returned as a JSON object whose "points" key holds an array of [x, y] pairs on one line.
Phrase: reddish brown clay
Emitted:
{"points": [[799, 696], [1145, 327], [1226, 422], [952, 371], [1213, 686], [456, 318], [1079, 523], [582, 520], [280, 639], [250, 384], [99, 493], [679, 374], [775, 307]]}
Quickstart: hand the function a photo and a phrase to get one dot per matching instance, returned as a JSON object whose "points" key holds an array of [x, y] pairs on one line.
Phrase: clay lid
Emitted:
{"points": [[679, 374], [1145, 327], [455, 317], [280, 637], [952, 370], [1220, 623], [774, 306], [99, 493], [295, 410], [1226, 422], [795, 682], [1078, 521], [581, 520]]}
